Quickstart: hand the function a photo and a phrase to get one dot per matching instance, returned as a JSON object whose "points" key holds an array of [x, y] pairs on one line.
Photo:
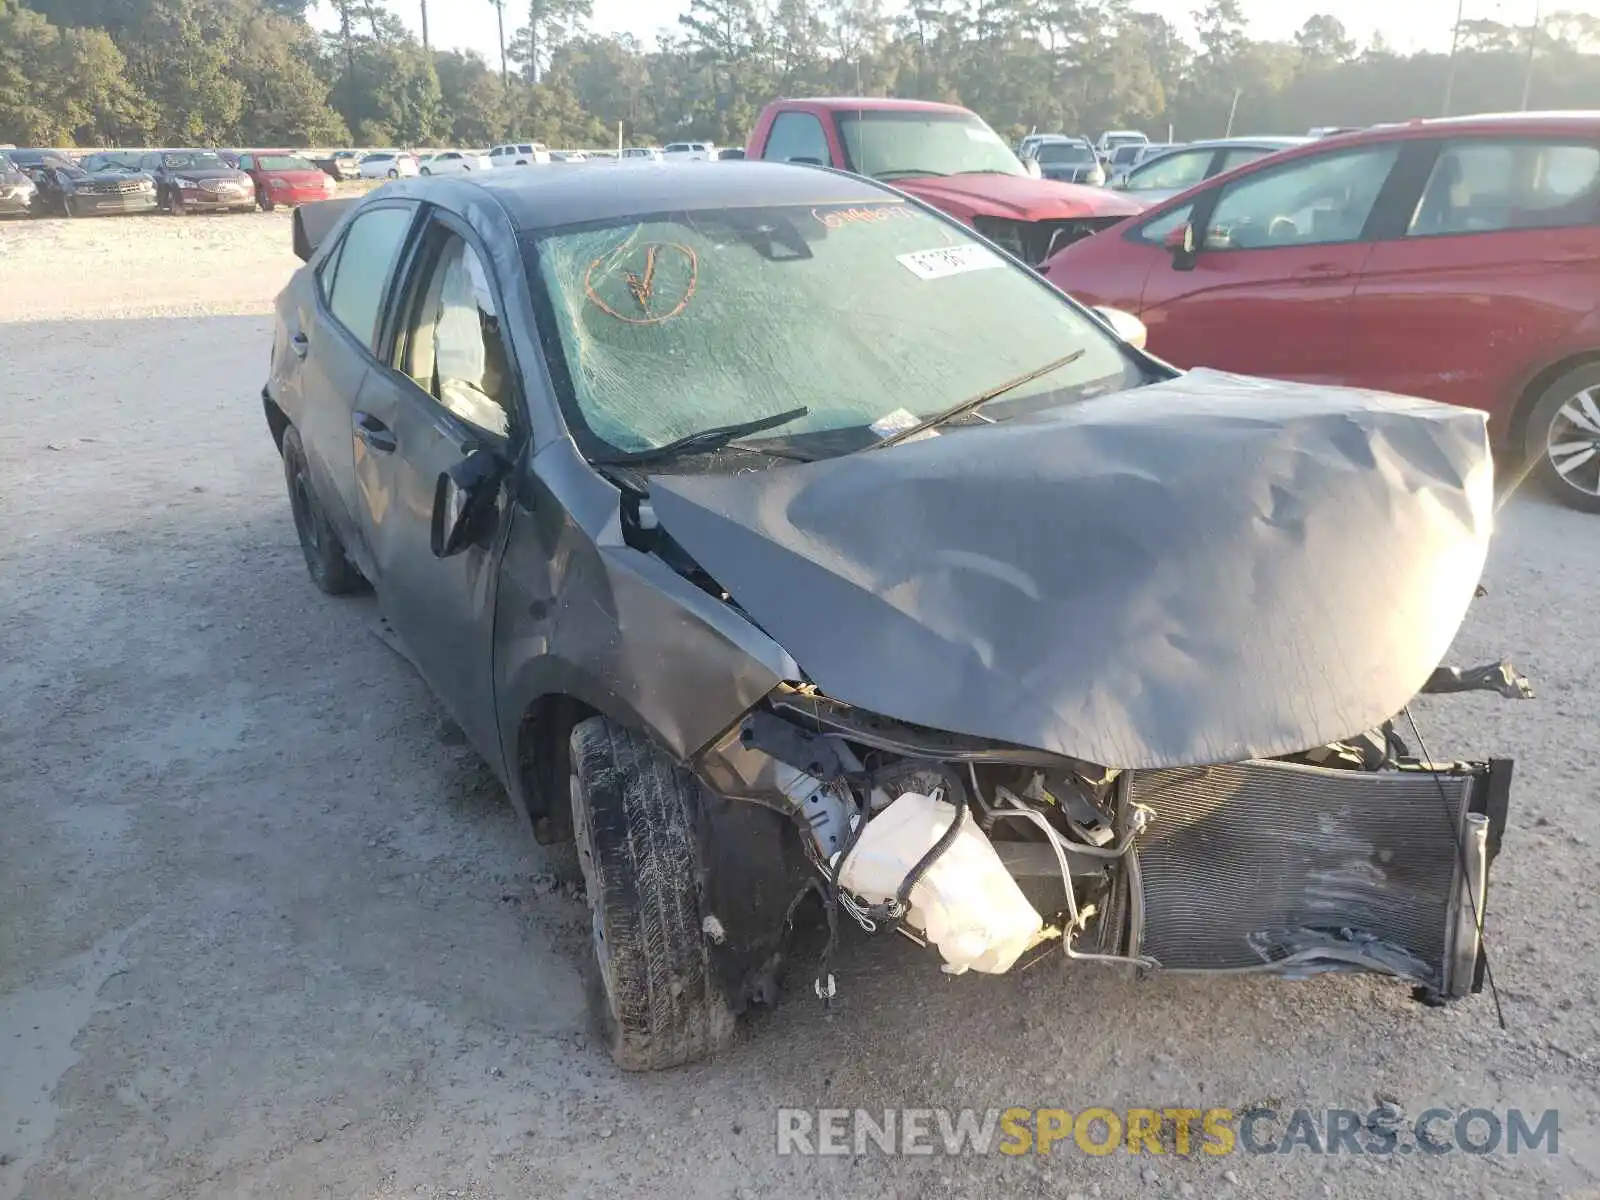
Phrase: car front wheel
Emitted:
{"points": [[633, 815], [1563, 438], [326, 562]]}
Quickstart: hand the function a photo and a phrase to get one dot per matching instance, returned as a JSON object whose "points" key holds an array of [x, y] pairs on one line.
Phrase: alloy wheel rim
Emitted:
{"points": [[1572, 443]]}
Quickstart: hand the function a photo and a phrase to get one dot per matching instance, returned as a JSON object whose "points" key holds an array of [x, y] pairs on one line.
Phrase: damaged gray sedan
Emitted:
{"points": [[806, 559]]}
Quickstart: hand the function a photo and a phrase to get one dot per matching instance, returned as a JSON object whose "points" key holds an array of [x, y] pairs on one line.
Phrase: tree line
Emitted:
{"points": [[258, 73]]}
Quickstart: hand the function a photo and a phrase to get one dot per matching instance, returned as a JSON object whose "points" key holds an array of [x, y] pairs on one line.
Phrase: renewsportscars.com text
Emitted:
{"points": [[1177, 1131]]}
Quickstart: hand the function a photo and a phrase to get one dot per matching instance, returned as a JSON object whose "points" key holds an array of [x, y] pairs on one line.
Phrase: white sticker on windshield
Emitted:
{"points": [[948, 260]]}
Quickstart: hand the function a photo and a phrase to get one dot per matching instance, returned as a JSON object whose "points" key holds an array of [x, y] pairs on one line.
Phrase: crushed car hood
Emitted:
{"points": [[1205, 570], [1017, 197]]}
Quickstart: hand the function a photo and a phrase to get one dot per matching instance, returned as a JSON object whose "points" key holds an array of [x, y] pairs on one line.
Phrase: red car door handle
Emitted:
{"points": [[1321, 272]]}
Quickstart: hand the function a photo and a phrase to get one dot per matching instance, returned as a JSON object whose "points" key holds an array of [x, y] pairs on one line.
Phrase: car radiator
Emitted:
{"points": [[1277, 866]]}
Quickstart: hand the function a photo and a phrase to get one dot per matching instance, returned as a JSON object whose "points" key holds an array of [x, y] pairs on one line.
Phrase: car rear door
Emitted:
{"points": [[447, 388], [1270, 288], [1489, 268], [333, 348]]}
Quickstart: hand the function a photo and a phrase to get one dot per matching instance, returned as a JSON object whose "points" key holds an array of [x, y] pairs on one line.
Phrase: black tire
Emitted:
{"points": [[330, 569], [394, 173], [1547, 425], [633, 813], [426, 171]]}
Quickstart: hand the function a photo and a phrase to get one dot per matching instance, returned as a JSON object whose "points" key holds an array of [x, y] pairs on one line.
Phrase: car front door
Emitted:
{"points": [[447, 390], [334, 348], [1270, 285], [1491, 266]]}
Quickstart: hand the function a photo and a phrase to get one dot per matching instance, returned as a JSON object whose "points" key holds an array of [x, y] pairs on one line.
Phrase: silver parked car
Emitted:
{"points": [[1165, 175]]}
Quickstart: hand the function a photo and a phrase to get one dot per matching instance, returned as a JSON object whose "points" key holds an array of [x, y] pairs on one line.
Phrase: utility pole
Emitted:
{"points": [[1233, 110], [1455, 44], [1533, 45], [500, 16], [425, 49]]}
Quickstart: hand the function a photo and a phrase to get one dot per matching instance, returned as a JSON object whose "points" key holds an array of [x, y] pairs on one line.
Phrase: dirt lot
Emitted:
{"points": [[265, 930]]}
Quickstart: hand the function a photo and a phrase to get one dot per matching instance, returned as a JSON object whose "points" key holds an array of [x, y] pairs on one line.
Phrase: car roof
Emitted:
{"points": [[535, 200], [1247, 143], [877, 103]]}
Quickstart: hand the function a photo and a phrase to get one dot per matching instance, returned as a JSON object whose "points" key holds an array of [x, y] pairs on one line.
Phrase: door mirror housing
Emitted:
{"points": [[462, 498], [1125, 325], [1180, 243]]}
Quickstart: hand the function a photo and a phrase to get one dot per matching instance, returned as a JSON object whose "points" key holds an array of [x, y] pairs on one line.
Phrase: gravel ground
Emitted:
{"points": [[268, 929]]}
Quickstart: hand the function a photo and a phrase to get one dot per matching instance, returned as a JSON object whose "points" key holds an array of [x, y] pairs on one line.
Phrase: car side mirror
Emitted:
{"points": [[1180, 243], [1032, 167], [1125, 325], [462, 498]]}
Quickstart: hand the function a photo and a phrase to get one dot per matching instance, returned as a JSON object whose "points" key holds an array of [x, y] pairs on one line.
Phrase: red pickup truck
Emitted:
{"points": [[946, 156]]}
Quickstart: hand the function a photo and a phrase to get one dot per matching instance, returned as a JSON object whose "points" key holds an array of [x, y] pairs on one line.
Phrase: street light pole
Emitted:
{"points": [[1455, 43], [1533, 45]]}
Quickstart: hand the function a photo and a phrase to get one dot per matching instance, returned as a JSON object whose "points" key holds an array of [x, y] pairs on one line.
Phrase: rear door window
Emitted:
{"points": [[366, 260], [1239, 155], [1487, 186]]}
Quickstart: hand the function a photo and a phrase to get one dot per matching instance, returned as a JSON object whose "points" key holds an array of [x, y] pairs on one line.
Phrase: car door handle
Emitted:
{"points": [[299, 343], [1321, 273], [374, 433]]}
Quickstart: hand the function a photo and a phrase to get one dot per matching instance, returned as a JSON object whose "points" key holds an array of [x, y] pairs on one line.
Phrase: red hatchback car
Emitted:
{"points": [[1457, 260], [283, 177]]}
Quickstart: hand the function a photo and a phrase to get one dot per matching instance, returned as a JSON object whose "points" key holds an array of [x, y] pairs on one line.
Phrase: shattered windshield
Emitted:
{"points": [[868, 317], [900, 143]]}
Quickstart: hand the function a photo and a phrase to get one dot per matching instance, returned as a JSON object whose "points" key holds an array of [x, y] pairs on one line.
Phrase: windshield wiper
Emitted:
{"points": [[705, 439], [978, 401]]}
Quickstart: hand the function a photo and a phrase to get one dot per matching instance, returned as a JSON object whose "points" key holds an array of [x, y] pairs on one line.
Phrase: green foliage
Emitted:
{"points": [[252, 72]]}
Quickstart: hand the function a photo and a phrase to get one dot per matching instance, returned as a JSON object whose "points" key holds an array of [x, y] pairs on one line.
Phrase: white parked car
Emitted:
{"points": [[1113, 140], [454, 162], [642, 154], [388, 164], [519, 154], [690, 151]]}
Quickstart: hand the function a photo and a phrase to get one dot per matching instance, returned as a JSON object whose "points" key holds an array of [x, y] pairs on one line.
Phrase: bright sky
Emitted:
{"points": [[1407, 24]]}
